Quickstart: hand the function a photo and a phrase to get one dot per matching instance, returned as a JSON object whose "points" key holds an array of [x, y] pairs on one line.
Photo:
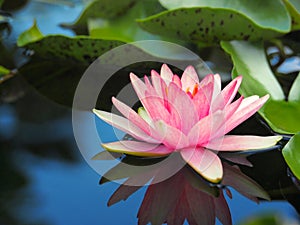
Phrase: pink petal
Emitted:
{"points": [[182, 110], [151, 100], [202, 100], [124, 125], [155, 107], [228, 111], [231, 89], [240, 143], [170, 136], [204, 130], [249, 100], [217, 86], [158, 84], [244, 112], [138, 86], [166, 74], [227, 94], [137, 148], [209, 78], [176, 80], [189, 78], [147, 83], [205, 162], [131, 115]]}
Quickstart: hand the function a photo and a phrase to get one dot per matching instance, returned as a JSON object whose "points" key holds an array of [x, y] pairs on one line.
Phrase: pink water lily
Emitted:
{"points": [[187, 116]]}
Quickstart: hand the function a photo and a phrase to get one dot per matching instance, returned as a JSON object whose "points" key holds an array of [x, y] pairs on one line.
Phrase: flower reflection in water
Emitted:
{"points": [[184, 196]]}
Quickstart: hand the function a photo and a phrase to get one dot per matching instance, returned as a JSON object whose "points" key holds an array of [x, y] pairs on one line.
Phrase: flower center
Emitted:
{"points": [[193, 92]]}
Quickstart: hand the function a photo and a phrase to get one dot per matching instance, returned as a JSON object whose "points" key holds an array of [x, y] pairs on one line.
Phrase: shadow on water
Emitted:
{"points": [[44, 180]]}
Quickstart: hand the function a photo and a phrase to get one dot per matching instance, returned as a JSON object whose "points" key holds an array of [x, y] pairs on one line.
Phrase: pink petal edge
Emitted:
{"points": [[205, 162]]}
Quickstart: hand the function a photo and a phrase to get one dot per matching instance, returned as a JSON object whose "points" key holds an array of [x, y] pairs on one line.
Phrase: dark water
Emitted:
{"points": [[44, 178]]}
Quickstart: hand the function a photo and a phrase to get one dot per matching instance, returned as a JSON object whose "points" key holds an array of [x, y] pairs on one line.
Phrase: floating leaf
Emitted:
{"points": [[294, 94], [291, 153], [259, 12], [258, 79], [293, 6], [282, 116], [250, 61], [81, 49], [56, 80], [212, 22], [124, 28], [101, 9]]}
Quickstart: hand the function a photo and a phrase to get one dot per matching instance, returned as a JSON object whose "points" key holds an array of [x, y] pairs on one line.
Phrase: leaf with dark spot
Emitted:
{"points": [[58, 47], [216, 17]]}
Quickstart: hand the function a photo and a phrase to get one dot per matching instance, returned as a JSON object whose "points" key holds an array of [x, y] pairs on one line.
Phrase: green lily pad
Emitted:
{"points": [[260, 12], [212, 21], [53, 79], [294, 94], [81, 49], [293, 6], [282, 116], [291, 154], [101, 9], [124, 28], [250, 61], [258, 79]]}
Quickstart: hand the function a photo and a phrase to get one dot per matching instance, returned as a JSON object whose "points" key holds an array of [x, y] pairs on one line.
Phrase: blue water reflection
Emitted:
{"points": [[69, 194]]}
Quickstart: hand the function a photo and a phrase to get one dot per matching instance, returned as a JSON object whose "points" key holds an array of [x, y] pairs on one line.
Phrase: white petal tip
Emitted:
{"points": [[95, 111]]}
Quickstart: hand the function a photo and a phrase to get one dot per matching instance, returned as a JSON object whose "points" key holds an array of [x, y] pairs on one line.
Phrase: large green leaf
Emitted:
{"points": [[282, 116], [250, 61], [124, 28], [293, 7], [54, 79], [259, 12], [207, 25], [212, 21], [291, 153], [294, 94], [101, 9], [82, 49]]}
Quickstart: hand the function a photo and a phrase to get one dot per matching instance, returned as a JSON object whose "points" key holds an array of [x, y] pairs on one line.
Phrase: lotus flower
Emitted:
{"points": [[187, 116]]}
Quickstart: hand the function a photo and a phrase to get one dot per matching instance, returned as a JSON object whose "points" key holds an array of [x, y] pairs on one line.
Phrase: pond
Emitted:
{"points": [[48, 174]]}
